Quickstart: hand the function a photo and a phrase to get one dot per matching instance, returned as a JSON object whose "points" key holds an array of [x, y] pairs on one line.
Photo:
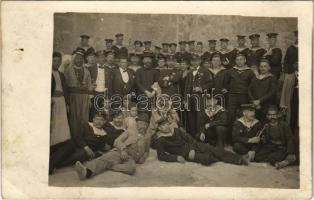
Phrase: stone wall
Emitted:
{"points": [[165, 28]]}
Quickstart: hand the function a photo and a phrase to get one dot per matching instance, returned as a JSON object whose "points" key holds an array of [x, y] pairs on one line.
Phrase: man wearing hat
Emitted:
{"points": [[218, 73], [182, 54], [146, 77], [123, 80], [274, 55], [213, 123], [148, 46], [137, 48], [157, 55], [241, 48], [197, 82], [165, 49], [118, 48], [173, 49], [135, 62], [225, 53], [84, 44], [245, 132], [109, 45], [79, 83], [237, 80], [256, 52], [191, 46], [91, 64], [199, 48], [212, 48]]}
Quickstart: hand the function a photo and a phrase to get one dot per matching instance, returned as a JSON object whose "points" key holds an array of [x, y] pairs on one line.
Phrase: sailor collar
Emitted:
{"points": [[263, 76], [242, 68], [218, 70], [246, 124], [225, 51], [240, 48], [255, 48], [212, 111]]}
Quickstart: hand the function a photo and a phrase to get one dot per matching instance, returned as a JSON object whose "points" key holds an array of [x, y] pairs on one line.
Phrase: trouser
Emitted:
{"points": [[216, 135], [207, 154], [194, 113], [234, 102], [242, 148], [111, 160], [60, 152], [287, 93], [271, 153], [294, 122]]}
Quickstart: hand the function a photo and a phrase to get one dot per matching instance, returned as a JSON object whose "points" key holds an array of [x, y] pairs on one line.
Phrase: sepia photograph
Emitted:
{"points": [[156, 100], [205, 100]]}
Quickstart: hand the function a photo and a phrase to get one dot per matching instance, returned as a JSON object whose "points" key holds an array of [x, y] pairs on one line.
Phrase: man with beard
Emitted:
{"points": [[278, 148], [146, 78], [198, 81]]}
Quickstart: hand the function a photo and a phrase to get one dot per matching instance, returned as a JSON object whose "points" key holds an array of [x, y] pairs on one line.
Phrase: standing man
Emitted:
{"points": [[123, 81], [173, 49], [134, 62], [197, 82], [225, 53], [212, 49], [182, 54], [256, 53], [84, 44], [199, 48], [165, 49], [219, 74], [238, 80], [157, 54], [109, 45], [274, 55], [137, 48], [146, 77], [241, 48], [191, 46], [119, 49]]}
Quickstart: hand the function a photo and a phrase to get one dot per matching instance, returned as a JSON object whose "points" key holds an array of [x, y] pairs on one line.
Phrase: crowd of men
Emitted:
{"points": [[246, 97]]}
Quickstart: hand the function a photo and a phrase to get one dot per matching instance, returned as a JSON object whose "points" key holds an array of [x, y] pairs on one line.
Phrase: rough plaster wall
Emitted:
{"points": [[165, 28]]}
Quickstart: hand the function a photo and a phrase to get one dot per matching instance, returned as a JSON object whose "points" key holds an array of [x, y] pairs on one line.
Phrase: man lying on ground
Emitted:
{"points": [[129, 149], [176, 145]]}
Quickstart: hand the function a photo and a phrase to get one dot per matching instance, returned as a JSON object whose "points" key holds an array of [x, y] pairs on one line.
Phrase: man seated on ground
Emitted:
{"points": [[245, 132], [279, 147], [213, 124], [180, 146], [92, 139], [129, 149]]}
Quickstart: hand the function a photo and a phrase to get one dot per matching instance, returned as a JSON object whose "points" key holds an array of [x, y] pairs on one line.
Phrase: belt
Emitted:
{"points": [[58, 94]]}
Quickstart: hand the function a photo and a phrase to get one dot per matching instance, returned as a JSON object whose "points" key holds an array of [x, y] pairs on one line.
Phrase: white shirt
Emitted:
{"points": [[124, 75], [195, 71], [100, 82]]}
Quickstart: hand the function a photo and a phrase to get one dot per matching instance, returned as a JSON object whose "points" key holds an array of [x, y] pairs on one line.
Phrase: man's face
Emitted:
{"points": [[118, 120], [147, 61], [183, 66], [211, 102], [241, 42], [164, 127], [101, 59], [157, 51], [161, 63], [142, 127], [173, 48], [182, 47], [171, 63], [191, 47], [199, 47], [79, 60], [212, 45], [165, 48], [123, 63], [206, 64], [249, 114], [264, 67], [224, 45], [272, 41], [110, 59], [84, 41], [98, 121], [134, 60], [133, 111], [91, 59], [147, 47], [272, 116], [240, 61], [119, 40], [216, 61], [137, 46], [109, 45], [56, 62], [255, 42], [195, 62]]}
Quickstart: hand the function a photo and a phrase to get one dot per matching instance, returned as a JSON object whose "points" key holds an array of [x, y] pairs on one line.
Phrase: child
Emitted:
{"points": [[262, 90]]}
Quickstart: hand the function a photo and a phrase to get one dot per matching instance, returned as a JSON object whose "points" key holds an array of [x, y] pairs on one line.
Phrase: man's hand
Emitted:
{"points": [[166, 78], [224, 90], [256, 102], [202, 137], [185, 105], [180, 159], [254, 140], [89, 152], [124, 155], [192, 154], [198, 89], [207, 126], [147, 93], [251, 155]]}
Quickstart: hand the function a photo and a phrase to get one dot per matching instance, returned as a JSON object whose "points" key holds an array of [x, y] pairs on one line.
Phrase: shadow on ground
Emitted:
{"points": [[162, 174]]}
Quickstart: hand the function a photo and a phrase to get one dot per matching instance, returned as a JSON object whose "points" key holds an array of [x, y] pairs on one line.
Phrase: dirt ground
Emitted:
{"points": [[157, 173]]}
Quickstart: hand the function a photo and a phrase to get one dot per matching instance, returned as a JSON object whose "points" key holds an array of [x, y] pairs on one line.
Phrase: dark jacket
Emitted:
{"points": [[123, 51], [241, 133], [254, 57], [219, 80], [291, 60], [108, 79], [145, 77], [238, 81], [275, 61], [171, 86], [120, 87]]}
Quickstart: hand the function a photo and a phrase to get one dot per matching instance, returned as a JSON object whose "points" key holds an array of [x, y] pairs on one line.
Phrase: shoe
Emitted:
{"points": [[245, 160], [81, 170], [282, 164]]}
